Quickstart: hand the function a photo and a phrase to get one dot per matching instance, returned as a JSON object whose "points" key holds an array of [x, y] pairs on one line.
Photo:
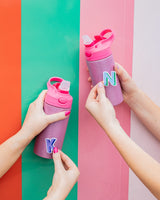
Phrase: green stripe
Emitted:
{"points": [[50, 47]]}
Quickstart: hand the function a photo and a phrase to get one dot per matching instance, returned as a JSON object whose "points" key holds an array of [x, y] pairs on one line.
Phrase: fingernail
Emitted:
{"points": [[55, 150], [100, 84], [67, 113], [117, 66]]}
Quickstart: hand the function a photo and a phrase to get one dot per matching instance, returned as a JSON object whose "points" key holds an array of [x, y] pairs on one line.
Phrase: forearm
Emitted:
{"points": [[143, 165], [55, 195], [146, 110], [11, 150], [52, 198]]}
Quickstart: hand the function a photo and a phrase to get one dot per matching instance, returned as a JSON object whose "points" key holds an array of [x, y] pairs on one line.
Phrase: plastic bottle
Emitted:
{"points": [[57, 99], [100, 60]]}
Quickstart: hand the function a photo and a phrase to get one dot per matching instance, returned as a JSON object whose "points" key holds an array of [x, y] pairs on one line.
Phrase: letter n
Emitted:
{"points": [[109, 78]]}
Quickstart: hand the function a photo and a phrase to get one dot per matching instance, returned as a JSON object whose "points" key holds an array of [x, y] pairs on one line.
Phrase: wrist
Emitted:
{"points": [[54, 196], [26, 135], [20, 141], [131, 99], [114, 131], [109, 127]]}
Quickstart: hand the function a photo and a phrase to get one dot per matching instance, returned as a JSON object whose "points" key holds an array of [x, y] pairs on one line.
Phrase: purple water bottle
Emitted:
{"points": [[57, 100], [100, 61]]}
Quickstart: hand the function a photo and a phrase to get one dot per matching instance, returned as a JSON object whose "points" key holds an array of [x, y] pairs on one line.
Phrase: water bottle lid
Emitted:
{"points": [[64, 86], [87, 40], [99, 48], [58, 93]]}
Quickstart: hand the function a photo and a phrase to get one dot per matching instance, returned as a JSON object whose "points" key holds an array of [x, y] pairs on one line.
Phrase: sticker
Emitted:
{"points": [[112, 79], [50, 144]]}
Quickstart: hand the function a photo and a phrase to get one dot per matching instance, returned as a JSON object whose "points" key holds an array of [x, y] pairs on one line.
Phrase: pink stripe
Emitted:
{"points": [[104, 175]]}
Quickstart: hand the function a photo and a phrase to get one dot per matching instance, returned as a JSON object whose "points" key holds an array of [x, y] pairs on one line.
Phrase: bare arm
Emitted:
{"points": [[144, 108], [143, 165], [147, 112], [11, 150], [36, 120]]}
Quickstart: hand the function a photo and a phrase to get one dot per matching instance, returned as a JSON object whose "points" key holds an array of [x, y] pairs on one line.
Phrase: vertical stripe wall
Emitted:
{"points": [[104, 175], [10, 88], [146, 71], [40, 39], [50, 47]]}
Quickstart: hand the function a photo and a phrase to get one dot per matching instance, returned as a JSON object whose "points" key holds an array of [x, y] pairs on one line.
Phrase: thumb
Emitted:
{"points": [[57, 159], [122, 73], [101, 91], [57, 116]]}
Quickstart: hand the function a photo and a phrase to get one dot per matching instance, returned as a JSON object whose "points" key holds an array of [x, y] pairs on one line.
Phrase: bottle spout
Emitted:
{"points": [[86, 40], [65, 86]]}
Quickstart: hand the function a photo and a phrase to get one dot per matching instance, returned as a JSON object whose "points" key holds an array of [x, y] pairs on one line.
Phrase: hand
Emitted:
{"points": [[36, 119], [65, 176], [129, 87], [100, 107]]}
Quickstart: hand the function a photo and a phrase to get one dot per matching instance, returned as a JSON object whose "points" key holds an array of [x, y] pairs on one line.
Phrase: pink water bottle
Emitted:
{"points": [[57, 100], [100, 60]]}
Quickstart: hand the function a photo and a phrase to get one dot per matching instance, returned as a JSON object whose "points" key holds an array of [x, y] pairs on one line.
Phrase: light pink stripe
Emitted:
{"points": [[104, 175], [145, 69]]}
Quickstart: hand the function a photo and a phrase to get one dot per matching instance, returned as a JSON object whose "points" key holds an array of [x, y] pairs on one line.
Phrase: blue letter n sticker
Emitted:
{"points": [[107, 78], [50, 144]]}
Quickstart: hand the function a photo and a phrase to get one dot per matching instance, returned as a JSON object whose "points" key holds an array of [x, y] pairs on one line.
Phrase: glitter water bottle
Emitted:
{"points": [[57, 100], [100, 61]]}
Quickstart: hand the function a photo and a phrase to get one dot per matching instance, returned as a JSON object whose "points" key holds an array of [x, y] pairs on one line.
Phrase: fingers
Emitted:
{"points": [[67, 161], [61, 159], [92, 95], [49, 191], [96, 90], [41, 98], [57, 116], [57, 159], [122, 73], [101, 91], [89, 79]]}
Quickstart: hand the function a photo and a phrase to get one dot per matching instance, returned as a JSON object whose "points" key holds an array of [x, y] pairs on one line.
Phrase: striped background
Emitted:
{"points": [[40, 39]]}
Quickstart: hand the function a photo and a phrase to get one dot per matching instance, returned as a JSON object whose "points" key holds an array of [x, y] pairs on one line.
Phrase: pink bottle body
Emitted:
{"points": [[99, 59], [53, 135]]}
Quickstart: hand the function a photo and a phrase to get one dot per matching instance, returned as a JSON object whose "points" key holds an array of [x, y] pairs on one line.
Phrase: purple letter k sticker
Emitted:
{"points": [[50, 144]]}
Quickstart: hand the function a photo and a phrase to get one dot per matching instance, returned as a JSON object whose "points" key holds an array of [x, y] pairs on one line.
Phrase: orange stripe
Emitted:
{"points": [[10, 88]]}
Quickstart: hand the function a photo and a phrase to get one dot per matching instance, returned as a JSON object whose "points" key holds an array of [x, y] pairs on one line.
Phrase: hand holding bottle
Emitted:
{"points": [[129, 87], [36, 119], [149, 113], [57, 99], [100, 63]]}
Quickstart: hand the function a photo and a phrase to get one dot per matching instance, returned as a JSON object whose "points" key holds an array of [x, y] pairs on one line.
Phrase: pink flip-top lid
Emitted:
{"points": [[58, 93], [100, 47]]}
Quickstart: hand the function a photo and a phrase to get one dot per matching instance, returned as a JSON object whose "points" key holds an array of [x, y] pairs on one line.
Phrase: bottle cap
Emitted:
{"points": [[87, 40], [100, 47], [58, 93], [65, 86]]}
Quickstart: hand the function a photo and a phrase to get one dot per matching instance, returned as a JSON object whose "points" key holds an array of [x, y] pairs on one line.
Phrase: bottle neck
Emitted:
{"points": [[98, 55]]}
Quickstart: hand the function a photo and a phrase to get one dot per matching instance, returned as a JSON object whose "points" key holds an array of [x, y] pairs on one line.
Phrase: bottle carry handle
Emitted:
{"points": [[61, 85], [56, 79], [102, 34], [101, 37]]}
